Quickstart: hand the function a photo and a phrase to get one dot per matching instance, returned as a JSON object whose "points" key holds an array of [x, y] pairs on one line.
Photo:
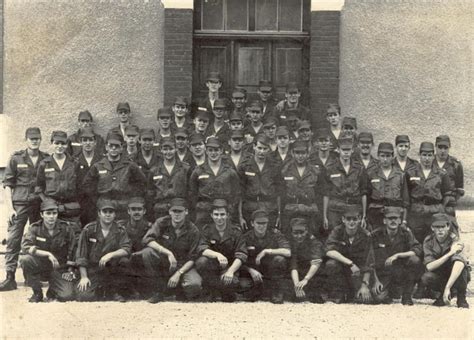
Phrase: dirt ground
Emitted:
{"points": [[21, 320]]}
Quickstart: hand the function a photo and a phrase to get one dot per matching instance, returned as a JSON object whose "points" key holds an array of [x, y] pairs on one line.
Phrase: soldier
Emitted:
{"points": [[269, 129], [180, 110], [87, 158], [219, 128], [22, 205], [123, 112], [292, 101], [198, 150], [236, 121], [292, 121], [349, 264], [137, 283], [57, 178], [322, 154], [211, 180], [132, 134], [260, 180], [265, 94], [255, 113], [397, 258], [173, 244], [213, 84], [430, 192], [387, 186], [239, 100], [402, 161], [164, 125], [364, 156], [333, 116], [346, 185], [268, 255], [305, 133], [282, 154], [147, 156], [167, 180], [302, 182], [446, 262], [452, 166], [237, 155], [74, 145], [101, 246], [201, 123], [226, 252], [306, 261], [114, 177], [182, 150], [49, 247]]}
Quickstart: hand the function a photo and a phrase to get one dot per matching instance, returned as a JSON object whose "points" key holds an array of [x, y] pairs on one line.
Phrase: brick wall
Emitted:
{"points": [[324, 62], [178, 53]]}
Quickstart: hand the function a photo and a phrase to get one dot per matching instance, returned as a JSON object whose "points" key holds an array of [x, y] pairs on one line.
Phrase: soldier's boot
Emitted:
{"points": [[461, 301], [37, 295], [9, 283], [407, 300]]}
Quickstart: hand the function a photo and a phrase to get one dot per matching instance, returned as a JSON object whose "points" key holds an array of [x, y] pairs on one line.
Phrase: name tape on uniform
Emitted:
{"points": [[49, 170], [22, 165]]}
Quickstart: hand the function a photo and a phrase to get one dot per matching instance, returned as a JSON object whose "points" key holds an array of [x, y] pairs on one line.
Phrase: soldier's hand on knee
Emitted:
{"points": [[389, 261], [447, 296], [256, 275], [104, 260], [326, 223], [355, 269], [260, 256], [53, 260], [227, 277], [11, 213], [83, 284], [223, 262], [377, 287], [173, 262], [363, 294], [457, 247], [174, 280], [243, 224]]}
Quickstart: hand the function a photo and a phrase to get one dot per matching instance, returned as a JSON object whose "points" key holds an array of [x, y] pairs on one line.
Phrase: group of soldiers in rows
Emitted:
{"points": [[240, 198]]}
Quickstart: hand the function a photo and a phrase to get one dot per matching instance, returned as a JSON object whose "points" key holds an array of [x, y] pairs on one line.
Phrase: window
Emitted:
{"points": [[256, 16]]}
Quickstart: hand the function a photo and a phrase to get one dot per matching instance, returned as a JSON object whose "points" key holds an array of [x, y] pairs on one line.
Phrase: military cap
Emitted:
{"points": [[219, 203], [163, 112], [137, 202], [304, 124], [87, 132], [345, 142], [85, 115], [132, 130], [260, 215], [352, 210], [181, 131], [322, 133], [439, 220], [213, 142], [202, 113], [262, 138], [178, 203], [385, 147], [147, 132], [349, 121], [292, 87], [60, 136], [239, 92], [48, 204], [282, 131], [237, 134], [298, 223], [235, 116], [167, 141], [366, 137], [33, 132], [114, 137], [103, 203], [214, 76], [196, 138], [220, 103], [299, 145], [255, 105], [265, 85], [426, 146], [392, 211], [180, 100], [269, 122], [402, 139], [443, 140], [123, 107]]}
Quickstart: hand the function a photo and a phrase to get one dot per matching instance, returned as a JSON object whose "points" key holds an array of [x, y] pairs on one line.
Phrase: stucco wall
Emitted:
{"points": [[407, 67], [64, 56]]}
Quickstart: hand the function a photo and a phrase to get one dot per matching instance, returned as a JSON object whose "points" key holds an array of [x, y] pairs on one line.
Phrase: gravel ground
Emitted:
{"points": [[19, 319]]}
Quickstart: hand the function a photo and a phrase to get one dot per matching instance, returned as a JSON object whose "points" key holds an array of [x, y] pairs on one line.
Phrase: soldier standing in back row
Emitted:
{"points": [[74, 145], [21, 201]]}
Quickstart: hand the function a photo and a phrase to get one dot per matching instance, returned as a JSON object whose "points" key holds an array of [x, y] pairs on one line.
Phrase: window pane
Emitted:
{"points": [[288, 65], [290, 15], [237, 15], [251, 63], [212, 59], [212, 13], [266, 15]]}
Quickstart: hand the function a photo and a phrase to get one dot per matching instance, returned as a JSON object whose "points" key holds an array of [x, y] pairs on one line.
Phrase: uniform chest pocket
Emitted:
{"points": [[52, 177], [336, 180]]}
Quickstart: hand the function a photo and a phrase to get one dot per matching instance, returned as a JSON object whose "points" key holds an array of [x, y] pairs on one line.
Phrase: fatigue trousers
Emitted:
{"points": [[437, 279], [37, 269], [135, 274], [315, 285], [341, 281], [403, 272], [210, 270], [16, 228], [273, 270]]}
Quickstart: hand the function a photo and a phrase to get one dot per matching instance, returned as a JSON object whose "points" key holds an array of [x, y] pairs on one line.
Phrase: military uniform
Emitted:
{"points": [[187, 246], [204, 187], [20, 176], [163, 186], [92, 246], [74, 145], [410, 164], [62, 244], [232, 245], [455, 173]]}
